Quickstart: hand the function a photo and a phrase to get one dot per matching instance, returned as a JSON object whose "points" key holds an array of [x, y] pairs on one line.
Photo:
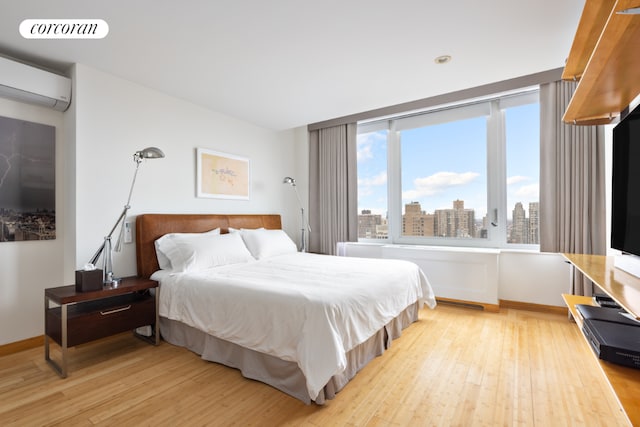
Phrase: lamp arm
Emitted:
{"points": [[95, 257], [121, 219], [133, 182], [305, 224], [120, 222]]}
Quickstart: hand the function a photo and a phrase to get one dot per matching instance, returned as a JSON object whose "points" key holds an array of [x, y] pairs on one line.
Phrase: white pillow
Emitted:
{"points": [[236, 230], [194, 254], [263, 243], [164, 244]]}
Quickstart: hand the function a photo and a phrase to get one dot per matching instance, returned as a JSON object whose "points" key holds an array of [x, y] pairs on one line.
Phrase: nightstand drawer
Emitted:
{"points": [[91, 320]]}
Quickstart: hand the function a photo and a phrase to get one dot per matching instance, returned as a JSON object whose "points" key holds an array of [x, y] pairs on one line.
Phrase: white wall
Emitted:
{"points": [[111, 118], [27, 268], [115, 118], [301, 175], [538, 278]]}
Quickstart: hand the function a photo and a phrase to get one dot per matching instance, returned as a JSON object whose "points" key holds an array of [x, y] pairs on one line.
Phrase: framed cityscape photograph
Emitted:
{"points": [[27, 180], [222, 175]]}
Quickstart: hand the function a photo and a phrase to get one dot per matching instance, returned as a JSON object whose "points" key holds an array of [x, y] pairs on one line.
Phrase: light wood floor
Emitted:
{"points": [[455, 367]]}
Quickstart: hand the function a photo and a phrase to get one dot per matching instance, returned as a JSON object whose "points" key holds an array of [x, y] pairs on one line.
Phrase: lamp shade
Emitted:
{"points": [[289, 180], [151, 153]]}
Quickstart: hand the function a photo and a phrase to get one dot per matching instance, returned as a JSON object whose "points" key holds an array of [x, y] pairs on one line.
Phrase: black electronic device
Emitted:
{"points": [[609, 304], [625, 203], [614, 342], [606, 314], [605, 301]]}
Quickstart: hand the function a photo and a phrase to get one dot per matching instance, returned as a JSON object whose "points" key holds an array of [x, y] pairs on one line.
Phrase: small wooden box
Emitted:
{"points": [[87, 281]]}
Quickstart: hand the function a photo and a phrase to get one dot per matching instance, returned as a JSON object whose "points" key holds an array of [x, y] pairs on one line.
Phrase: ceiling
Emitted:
{"points": [[281, 64]]}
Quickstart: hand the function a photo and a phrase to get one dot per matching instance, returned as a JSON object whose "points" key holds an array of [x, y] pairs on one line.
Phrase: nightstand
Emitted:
{"points": [[81, 317]]}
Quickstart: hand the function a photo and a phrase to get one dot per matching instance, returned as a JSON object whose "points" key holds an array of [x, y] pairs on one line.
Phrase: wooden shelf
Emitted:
{"points": [[621, 286], [68, 294], [604, 59], [594, 17], [625, 290], [624, 381]]}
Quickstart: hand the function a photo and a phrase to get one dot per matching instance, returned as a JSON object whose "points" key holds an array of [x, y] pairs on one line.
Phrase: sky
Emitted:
{"points": [[442, 163]]}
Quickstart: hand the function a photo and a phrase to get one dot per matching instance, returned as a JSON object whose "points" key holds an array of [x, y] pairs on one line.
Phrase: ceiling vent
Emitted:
{"points": [[25, 83]]}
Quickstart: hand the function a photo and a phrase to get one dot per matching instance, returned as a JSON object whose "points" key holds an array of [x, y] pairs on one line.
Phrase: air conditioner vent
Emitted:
{"points": [[32, 85]]}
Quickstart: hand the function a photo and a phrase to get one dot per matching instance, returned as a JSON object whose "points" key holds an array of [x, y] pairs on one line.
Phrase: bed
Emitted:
{"points": [[234, 290]]}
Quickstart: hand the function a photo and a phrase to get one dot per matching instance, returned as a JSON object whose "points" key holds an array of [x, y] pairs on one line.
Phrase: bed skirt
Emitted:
{"points": [[281, 374]]}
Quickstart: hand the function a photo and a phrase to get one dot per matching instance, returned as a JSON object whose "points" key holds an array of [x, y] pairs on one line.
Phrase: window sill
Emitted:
{"points": [[465, 249]]}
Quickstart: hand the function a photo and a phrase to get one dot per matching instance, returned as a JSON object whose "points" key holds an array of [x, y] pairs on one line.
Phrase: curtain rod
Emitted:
{"points": [[457, 96], [455, 105]]}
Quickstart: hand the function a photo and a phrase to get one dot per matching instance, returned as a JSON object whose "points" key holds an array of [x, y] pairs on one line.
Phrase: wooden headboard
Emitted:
{"points": [[150, 227]]}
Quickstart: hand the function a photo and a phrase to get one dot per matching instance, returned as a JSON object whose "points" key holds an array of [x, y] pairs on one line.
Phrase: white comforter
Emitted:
{"points": [[307, 308]]}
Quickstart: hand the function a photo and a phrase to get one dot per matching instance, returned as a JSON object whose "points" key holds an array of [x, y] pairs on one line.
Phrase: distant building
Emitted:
{"points": [[416, 222], [17, 226], [382, 230], [372, 226], [456, 222], [534, 223], [525, 230], [519, 226]]}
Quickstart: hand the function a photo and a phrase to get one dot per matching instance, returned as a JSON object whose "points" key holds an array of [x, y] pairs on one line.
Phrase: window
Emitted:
{"points": [[523, 173], [372, 184], [464, 175]]}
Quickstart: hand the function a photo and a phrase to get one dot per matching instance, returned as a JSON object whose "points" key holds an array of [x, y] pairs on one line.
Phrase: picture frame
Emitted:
{"points": [[222, 175], [27, 180]]}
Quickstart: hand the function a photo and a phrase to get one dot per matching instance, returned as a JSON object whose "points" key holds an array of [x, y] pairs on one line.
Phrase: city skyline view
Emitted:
{"points": [[455, 222], [445, 162]]}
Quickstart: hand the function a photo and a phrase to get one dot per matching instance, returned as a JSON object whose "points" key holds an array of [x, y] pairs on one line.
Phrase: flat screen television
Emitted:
{"points": [[625, 194]]}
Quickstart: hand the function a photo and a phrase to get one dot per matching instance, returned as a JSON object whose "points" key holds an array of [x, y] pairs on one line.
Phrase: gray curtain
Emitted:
{"points": [[572, 182], [333, 186]]}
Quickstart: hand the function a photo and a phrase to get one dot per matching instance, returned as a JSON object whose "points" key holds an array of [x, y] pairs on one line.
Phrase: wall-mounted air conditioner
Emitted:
{"points": [[25, 83]]}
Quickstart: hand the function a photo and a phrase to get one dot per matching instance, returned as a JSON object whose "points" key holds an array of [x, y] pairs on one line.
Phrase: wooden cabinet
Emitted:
{"points": [[625, 289], [604, 58], [81, 317]]}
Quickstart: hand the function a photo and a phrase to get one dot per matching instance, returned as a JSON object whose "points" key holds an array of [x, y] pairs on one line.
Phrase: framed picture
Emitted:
{"points": [[222, 175], [27, 180]]}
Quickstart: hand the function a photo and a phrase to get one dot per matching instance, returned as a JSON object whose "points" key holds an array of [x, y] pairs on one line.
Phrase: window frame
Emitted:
{"points": [[497, 209]]}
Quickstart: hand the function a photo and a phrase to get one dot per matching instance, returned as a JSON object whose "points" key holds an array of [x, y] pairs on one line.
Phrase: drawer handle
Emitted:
{"points": [[116, 310]]}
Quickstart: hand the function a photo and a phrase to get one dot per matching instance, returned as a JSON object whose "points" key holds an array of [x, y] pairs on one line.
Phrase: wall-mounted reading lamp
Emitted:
{"points": [[305, 227]]}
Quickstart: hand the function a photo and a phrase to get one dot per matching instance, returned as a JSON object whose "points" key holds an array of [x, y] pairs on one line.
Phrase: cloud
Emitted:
{"points": [[366, 185], [364, 152], [376, 180], [365, 142], [529, 192], [438, 183], [517, 179]]}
